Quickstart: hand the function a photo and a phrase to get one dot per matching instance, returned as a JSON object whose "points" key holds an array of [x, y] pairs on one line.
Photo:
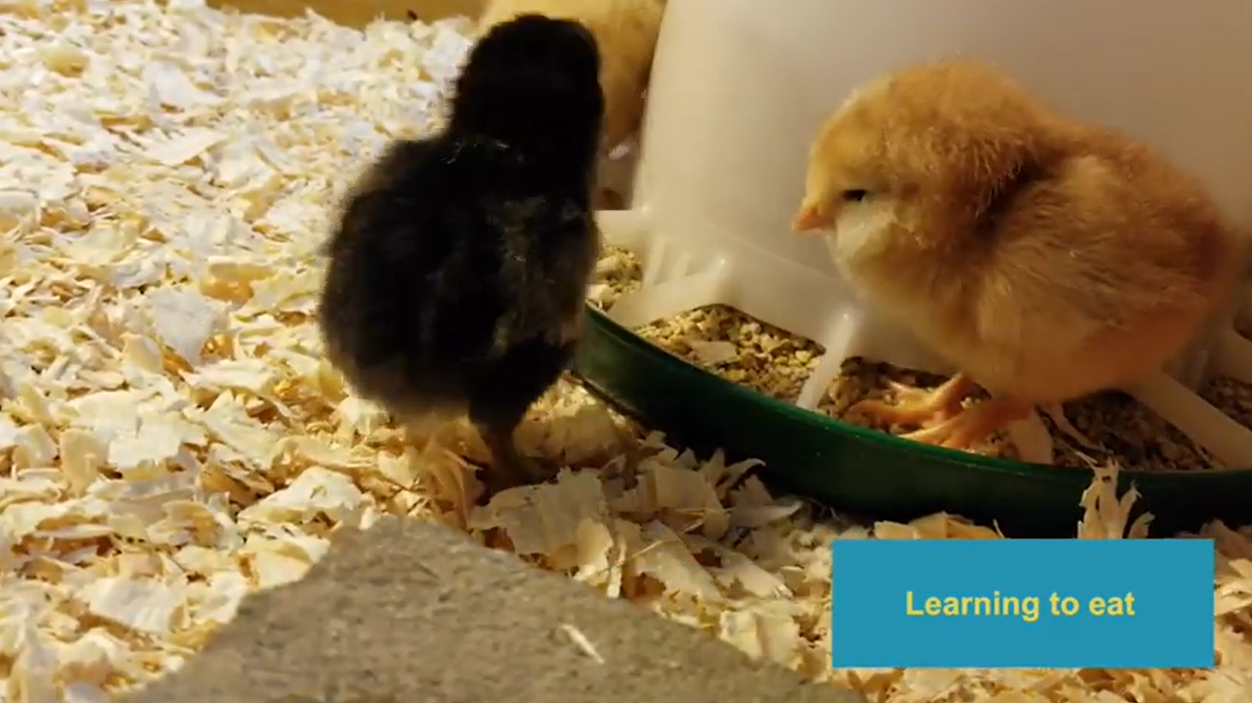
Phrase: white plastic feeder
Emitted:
{"points": [[739, 88]]}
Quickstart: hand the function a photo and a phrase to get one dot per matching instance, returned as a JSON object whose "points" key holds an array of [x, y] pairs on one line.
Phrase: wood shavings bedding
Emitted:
{"points": [[171, 438]]}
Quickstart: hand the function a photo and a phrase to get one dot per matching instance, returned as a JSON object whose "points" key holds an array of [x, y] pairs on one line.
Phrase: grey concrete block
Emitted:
{"points": [[411, 612]]}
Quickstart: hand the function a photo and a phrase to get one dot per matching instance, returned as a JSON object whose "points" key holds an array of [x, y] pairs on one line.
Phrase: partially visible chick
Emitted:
{"points": [[458, 272], [626, 32], [1044, 258]]}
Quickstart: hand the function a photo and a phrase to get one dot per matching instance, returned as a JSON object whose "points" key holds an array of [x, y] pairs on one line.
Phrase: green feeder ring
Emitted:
{"points": [[867, 472]]}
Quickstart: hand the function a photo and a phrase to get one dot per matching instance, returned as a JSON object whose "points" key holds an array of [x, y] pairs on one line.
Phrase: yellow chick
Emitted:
{"points": [[626, 31], [1044, 258]]}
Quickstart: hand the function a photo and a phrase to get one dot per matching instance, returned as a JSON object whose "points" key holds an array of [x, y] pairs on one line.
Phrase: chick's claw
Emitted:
{"points": [[969, 427], [917, 406]]}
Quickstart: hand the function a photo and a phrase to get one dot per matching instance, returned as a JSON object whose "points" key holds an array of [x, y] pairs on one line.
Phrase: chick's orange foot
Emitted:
{"points": [[971, 426], [918, 406]]}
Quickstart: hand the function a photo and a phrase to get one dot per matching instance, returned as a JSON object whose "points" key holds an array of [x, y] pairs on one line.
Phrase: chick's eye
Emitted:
{"points": [[854, 196]]}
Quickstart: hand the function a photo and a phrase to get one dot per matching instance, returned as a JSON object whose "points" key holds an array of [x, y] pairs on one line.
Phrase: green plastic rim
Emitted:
{"points": [[867, 472]]}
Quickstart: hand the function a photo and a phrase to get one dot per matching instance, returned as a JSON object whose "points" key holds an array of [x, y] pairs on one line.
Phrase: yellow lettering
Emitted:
{"points": [[1030, 608], [1096, 606], [908, 604], [1027, 608], [1130, 604], [1069, 606], [1009, 605]]}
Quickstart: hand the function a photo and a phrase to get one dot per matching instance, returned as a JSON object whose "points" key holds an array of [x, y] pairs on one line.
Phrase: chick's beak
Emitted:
{"points": [[811, 216]]}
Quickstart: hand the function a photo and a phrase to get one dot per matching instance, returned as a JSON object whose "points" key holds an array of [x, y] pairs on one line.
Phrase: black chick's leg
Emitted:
{"points": [[500, 402]]}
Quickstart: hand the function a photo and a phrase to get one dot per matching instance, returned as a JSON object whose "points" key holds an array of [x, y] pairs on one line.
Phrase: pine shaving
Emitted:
{"points": [[171, 438]]}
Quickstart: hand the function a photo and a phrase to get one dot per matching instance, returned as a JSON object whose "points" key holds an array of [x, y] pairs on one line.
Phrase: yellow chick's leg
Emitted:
{"points": [[916, 405], [972, 425]]}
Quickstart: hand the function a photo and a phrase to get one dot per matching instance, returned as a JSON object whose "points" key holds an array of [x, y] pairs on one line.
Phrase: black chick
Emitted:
{"points": [[459, 269]]}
